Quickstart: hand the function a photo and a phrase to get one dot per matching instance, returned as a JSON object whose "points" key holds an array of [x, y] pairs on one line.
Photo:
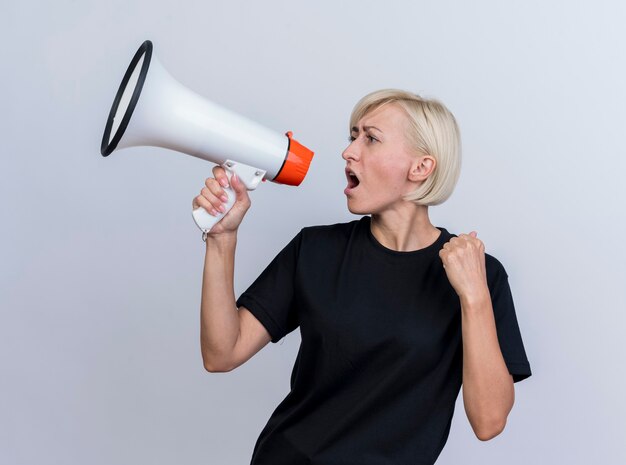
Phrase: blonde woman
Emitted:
{"points": [[394, 312]]}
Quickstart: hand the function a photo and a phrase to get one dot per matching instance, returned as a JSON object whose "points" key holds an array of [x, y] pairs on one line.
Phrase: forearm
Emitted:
{"points": [[219, 321], [488, 392]]}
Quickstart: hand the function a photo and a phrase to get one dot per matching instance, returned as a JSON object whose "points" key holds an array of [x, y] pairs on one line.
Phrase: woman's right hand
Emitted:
{"points": [[209, 199]]}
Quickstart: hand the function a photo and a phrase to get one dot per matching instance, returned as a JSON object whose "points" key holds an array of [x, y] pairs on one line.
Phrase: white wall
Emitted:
{"points": [[101, 263]]}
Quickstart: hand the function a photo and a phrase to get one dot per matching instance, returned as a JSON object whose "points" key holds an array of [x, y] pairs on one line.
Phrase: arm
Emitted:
{"points": [[228, 336], [219, 319], [488, 392]]}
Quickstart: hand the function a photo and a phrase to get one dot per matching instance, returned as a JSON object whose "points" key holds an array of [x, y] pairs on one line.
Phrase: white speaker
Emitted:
{"points": [[152, 108]]}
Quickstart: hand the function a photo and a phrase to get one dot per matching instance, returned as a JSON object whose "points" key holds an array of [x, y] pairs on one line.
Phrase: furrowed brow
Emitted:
{"points": [[367, 128]]}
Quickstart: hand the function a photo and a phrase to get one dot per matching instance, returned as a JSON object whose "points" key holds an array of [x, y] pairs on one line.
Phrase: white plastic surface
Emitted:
{"points": [[171, 116]]}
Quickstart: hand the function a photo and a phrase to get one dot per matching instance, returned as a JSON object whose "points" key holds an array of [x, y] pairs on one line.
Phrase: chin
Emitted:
{"points": [[356, 211]]}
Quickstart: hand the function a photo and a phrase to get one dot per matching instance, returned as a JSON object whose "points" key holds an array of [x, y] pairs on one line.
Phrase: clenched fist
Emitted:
{"points": [[463, 260]]}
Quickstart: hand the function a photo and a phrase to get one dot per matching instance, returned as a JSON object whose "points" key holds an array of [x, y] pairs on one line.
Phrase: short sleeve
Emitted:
{"points": [[271, 297], [509, 335]]}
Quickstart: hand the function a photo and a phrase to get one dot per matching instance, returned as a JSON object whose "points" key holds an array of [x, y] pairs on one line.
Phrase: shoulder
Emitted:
{"points": [[494, 266], [326, 231], [497, 277], [317, 242]]}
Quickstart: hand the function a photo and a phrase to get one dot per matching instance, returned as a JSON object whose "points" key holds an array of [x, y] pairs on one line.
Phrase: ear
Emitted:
{"points": [[422, 167]]}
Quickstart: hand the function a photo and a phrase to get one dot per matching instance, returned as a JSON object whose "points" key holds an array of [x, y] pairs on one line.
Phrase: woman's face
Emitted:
{"points": [[379, 156]]}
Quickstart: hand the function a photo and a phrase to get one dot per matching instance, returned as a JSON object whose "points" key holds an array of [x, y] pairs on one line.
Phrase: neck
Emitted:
{"points": [[404, 229]]}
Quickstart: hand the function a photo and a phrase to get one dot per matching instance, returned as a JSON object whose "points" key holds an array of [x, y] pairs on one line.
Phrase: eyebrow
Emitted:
{"points": [[355, 129]]}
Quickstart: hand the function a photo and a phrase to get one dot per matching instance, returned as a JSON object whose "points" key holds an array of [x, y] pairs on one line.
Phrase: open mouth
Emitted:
{"points": [[353, 181]]}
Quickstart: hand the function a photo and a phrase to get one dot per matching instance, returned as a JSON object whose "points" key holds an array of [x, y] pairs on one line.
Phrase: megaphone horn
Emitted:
{"points": [[151, 108]]}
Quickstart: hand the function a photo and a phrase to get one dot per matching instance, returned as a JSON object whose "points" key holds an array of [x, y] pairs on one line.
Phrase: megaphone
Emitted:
{"points": [[152, 108]]}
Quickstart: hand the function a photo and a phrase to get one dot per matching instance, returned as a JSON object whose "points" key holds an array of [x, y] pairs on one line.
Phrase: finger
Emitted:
{"points": [[216, 190], [201, 201], [236, 182], [214, 202], [220, 175], [211, 196], [195, 203], [241, 191], [238, 186]]}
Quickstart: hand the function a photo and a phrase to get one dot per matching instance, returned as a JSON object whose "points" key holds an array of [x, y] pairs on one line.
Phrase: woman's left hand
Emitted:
{"points": [[463, 260]]}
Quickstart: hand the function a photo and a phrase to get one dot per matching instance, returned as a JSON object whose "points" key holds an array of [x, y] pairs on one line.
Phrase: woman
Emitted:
{"points": [[394, 313]]}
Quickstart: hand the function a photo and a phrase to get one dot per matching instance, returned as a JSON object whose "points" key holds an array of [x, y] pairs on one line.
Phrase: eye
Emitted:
{"points": [[371, 138]]}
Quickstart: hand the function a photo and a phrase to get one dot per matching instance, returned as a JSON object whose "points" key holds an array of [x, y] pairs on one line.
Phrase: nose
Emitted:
{"points": [[350, 152]]}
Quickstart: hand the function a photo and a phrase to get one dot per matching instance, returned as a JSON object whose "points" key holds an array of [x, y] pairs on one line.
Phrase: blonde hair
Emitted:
{"points": [[433, 131]]}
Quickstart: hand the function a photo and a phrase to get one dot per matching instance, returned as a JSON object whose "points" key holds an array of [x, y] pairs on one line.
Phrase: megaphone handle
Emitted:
{"points": [[204, 219]]}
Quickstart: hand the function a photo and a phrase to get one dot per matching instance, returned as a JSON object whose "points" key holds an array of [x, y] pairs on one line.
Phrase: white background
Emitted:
{"points": [[101, 263]]}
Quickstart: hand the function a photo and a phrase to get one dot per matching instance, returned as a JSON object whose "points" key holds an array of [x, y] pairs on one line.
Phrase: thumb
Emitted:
{"points": [[473, 234], [238, 186]]}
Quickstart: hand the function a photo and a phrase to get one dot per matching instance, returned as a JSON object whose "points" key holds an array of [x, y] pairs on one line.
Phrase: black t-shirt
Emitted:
{"points": [[380, 363]]}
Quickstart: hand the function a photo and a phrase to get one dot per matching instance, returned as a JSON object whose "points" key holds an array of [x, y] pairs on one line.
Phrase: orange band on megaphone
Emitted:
{"points": [[296, 163]]}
